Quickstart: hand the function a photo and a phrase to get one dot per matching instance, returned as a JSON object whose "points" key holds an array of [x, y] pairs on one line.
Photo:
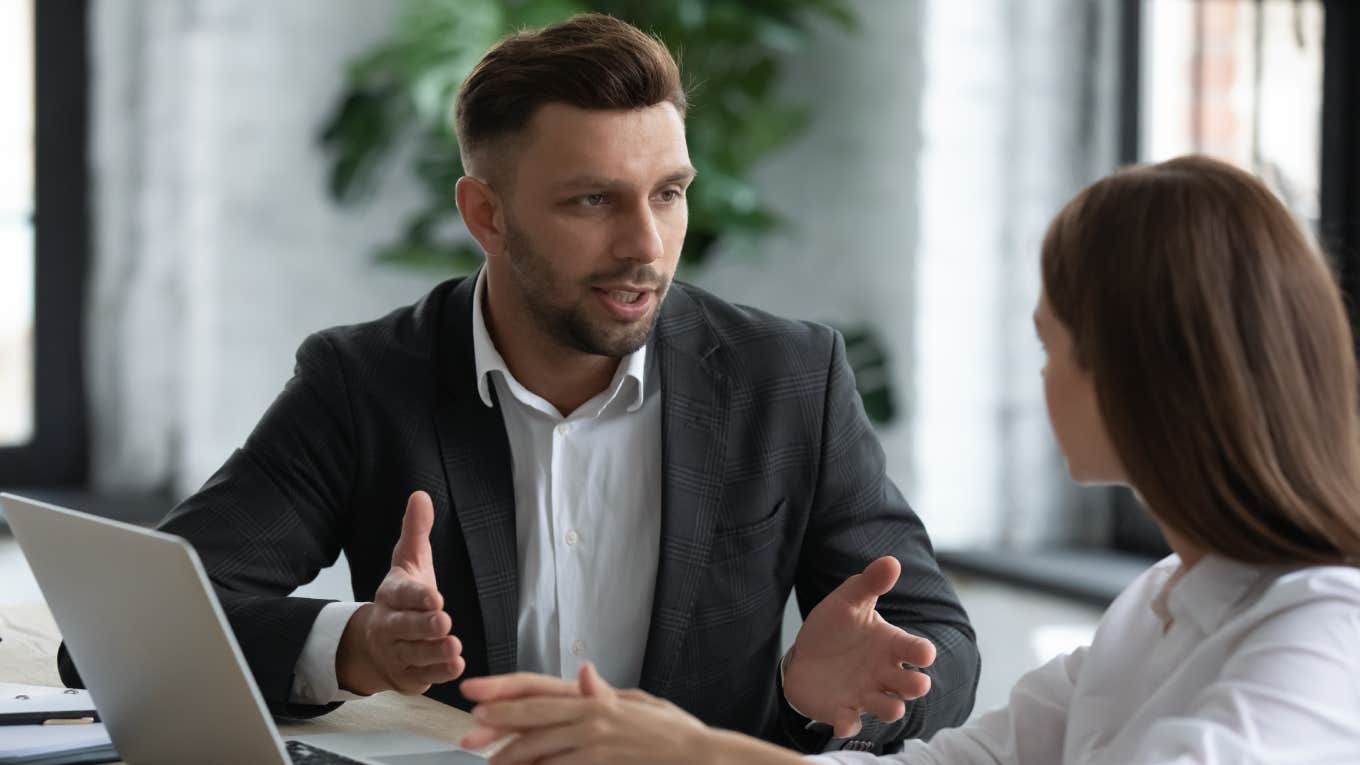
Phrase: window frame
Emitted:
{"points": [[1339, 205], [57, 455]]}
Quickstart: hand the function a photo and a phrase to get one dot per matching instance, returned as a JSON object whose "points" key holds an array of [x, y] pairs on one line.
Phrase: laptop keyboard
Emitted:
{"points": [[302, 754]]}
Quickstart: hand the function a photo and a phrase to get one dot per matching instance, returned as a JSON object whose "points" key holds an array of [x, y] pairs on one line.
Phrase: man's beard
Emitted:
{"points": [[571, 325]]}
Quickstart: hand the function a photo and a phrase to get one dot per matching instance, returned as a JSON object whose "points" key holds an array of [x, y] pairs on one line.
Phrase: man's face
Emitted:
{"points": [[594, 222]]}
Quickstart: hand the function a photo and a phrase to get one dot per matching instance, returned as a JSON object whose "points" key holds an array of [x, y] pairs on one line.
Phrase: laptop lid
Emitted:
{"points": [[149, 638]]}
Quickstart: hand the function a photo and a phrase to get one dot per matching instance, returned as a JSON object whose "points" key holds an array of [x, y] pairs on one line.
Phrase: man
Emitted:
{"points": [[568, 457]]}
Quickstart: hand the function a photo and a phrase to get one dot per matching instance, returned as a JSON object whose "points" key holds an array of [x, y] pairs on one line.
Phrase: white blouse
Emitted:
{"points": [[1227, 663]]}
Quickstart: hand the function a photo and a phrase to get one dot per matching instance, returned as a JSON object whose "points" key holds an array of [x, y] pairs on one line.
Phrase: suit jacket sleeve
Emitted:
{"points": [[275, 515], [859, 515]]}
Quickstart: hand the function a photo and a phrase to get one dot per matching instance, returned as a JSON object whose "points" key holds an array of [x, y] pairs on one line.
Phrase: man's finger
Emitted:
{"points": [[413, 547], [885, 708], [407, 686], [515, 686], [423, 653], [400, 592], [437, 673], [416, 625], [914, 650], [904, 683], [877, 578], [846, 723]]}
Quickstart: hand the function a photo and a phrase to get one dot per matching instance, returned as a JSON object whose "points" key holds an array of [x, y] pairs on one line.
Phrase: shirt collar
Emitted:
{"points": [[1206, 594], [487, 359]]}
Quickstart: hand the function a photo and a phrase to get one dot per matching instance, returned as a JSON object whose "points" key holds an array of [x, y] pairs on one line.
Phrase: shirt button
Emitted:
{"points": [[572, 537], [563, 429], [578, 648]]}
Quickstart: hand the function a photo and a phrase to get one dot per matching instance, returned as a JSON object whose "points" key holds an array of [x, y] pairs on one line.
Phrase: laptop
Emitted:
{"points": [[154, 649]]}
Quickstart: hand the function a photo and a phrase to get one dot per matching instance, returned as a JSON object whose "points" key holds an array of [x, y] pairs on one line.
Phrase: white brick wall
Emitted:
{"points": [[217, 249], [947, 134]]}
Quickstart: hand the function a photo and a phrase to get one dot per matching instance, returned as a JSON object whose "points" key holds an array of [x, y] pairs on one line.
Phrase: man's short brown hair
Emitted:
{"points": [[590, 61]]}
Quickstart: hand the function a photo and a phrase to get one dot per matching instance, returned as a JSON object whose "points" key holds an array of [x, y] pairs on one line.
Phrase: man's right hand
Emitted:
{"points": [[401, 640]]}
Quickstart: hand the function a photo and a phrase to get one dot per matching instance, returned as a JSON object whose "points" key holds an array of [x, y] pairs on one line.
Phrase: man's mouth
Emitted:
{"points": [[626, 302]]}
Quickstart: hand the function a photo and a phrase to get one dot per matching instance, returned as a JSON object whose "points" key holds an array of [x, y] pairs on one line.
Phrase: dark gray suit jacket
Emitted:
{"points": [[772, 480]]}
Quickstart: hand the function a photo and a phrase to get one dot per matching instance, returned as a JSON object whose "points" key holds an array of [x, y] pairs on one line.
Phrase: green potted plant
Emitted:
{"points": [[398, 95]]}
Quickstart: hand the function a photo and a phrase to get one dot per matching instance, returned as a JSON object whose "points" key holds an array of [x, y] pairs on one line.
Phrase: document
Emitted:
{"points": [[55, 744], [43, 725], [36, 704]]}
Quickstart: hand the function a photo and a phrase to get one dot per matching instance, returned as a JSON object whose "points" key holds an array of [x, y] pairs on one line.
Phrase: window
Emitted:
{"points": [[1340, 221], [16, 223], [1240, 80], [1269, 85], [43, 233]]}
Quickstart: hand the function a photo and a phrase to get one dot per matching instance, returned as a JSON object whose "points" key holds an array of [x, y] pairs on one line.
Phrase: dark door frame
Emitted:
{"points": [[1339, 222], [57, 455]]}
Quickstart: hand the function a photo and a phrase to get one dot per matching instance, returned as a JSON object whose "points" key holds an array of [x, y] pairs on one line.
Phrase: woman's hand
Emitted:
{"points": [[587, 721], [565, 723]]}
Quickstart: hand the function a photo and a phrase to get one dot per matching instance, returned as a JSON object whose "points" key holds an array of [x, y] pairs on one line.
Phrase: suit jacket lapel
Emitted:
{"points": [[693, 446], [477, 464]]}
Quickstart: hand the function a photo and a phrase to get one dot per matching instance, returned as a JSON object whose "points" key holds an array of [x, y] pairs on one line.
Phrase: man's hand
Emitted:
{"points": [[848, 660], [401, 640]]}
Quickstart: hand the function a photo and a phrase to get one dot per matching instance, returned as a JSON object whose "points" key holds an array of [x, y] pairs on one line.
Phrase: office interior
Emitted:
{"points": [[172, 227]]}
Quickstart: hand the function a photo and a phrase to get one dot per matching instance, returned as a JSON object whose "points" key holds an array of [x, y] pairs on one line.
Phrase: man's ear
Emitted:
{"points": [[483, 214]]}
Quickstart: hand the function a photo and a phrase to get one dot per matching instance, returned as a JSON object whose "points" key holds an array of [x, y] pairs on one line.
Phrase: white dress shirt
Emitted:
{"points": [[587, 525], [1227, 663]]}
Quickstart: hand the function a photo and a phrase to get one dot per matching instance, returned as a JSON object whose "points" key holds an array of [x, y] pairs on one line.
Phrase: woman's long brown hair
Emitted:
{"points": [[1221, 356]]}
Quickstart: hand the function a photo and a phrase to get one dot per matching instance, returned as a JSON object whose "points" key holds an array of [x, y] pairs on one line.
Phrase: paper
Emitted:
{"points": [[43, 744], [18, 699], [19, 742]]}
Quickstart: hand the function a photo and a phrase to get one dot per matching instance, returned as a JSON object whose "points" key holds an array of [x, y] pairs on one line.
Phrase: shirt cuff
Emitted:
{"points": [[314, 678], [850, 758], [785, 687]]}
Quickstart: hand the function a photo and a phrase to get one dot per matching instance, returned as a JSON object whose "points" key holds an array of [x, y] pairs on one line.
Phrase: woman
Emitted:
{"points": [[1199, 352]]}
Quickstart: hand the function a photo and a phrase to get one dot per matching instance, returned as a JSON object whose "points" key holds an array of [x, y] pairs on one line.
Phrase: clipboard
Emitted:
{"points": [[44, 705]]}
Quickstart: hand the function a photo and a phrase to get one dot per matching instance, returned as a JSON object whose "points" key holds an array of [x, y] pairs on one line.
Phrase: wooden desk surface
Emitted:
{"points": [[28, 654]]}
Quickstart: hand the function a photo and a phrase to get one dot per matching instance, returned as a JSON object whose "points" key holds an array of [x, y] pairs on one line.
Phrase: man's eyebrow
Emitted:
{"points": [[592, 181], [602, 182], [683, 174]]}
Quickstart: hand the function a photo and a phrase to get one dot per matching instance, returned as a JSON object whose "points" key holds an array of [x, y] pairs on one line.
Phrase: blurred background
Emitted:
{"points": [[190, 187]]}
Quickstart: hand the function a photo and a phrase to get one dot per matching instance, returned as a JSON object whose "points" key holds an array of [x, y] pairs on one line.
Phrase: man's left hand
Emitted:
{"points": [[848, 660]]}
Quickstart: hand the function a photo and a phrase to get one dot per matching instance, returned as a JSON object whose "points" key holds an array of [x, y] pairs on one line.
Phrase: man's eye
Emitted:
{"points": [[592, 200], [669, 195]]}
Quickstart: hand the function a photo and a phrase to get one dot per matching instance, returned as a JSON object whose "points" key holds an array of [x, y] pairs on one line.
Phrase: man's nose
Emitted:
{"points": [[640, 235]]}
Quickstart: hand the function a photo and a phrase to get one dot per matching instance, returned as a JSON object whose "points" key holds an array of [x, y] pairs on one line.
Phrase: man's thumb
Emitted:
{"points": [[413, 548], [878, 578]]}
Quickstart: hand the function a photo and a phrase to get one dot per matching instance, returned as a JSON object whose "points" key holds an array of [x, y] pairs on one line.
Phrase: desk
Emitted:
{"points": [[28, 654]]}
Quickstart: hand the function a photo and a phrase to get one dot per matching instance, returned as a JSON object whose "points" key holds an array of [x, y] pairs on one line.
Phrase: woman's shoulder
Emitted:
{"points": [[1298, 639], [1311, 589], [1241, 595], [1312, 610]]}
